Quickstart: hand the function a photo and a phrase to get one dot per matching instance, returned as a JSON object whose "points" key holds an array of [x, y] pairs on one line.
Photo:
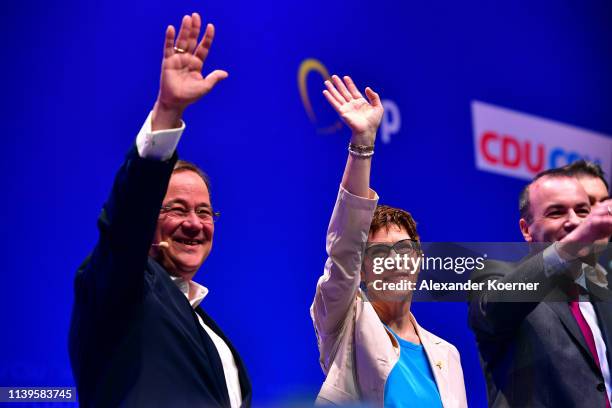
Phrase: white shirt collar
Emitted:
{"points": [[191, 286]]}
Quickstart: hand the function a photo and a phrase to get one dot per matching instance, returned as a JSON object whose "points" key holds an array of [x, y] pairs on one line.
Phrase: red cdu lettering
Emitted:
{"points": [[539, 164], [511, 152], [485, 140]]}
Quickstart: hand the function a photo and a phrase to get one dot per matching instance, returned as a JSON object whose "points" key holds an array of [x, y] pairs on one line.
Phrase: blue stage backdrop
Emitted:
{"points": [[81, 77]]}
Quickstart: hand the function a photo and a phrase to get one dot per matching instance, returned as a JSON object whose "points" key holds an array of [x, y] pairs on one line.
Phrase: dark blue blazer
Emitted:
{"points": [[134, 339], [532, 352]]}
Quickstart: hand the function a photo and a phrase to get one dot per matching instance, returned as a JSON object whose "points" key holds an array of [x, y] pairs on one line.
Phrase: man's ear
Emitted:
{"points": [[524, 226]]}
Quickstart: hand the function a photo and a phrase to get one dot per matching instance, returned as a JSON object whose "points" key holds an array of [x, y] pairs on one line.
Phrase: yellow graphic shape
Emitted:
{"points": [[307, 66]]}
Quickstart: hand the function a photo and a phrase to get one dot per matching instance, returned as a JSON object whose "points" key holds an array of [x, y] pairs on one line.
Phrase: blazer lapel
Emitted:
{"points": [[602, 303], [245, 383], [213, 368], [438, 361], [562, 311]]}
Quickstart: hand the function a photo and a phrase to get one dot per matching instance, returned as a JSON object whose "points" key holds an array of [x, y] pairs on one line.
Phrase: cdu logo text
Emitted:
{"points": [[521, 145]]}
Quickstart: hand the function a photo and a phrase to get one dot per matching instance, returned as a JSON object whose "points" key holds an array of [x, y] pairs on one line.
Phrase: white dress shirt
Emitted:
{"points": [[588, 311], [230, 369], [553, 265], [160, 145]]}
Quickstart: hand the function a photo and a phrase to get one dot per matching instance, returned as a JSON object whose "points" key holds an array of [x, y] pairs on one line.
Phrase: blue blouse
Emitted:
{"points": [[411, 382]]}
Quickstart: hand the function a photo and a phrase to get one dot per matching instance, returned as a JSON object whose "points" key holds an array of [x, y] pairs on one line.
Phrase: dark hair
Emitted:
{"points": [[524, 203], [575, 169], [586, 168], [184, 165], [385, 216]]}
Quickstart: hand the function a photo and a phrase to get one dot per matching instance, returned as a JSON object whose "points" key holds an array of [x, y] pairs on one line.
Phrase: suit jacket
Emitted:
{"points": [[134, 338], [357, 352], [533, 353]]}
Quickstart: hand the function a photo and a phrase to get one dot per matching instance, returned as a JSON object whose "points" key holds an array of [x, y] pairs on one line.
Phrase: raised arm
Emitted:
{"points": [[363, 118], [114, 271], [499, 313], [352, 215]]}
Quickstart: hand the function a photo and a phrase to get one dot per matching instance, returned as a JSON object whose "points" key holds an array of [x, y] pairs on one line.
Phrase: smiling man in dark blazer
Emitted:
{"points": [[551, 347], [138, 336]]}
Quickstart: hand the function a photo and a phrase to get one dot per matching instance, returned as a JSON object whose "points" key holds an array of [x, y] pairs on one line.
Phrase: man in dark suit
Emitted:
{"points": [[550, 347], [138, 336]]}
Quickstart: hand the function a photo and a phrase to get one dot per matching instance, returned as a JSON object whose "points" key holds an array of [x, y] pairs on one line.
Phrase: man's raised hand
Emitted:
{"points": [[591, 235], [182, 82], [361, 116]]}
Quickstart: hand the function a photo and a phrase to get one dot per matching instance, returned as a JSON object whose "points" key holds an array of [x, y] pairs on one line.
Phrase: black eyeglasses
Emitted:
{"points": [[405, 246], [179, 212]]}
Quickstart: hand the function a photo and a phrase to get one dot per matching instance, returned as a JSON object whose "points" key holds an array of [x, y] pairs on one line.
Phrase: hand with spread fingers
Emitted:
{"points": [[182, 82], [361, 115]]}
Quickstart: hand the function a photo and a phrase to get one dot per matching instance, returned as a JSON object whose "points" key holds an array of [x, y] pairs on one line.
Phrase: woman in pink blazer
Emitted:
{"points": [[372, 350]]}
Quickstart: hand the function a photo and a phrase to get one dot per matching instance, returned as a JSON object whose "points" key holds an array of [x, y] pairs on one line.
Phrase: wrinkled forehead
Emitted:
{"points": [[187, 187], [558, 191], [389, 234]]}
